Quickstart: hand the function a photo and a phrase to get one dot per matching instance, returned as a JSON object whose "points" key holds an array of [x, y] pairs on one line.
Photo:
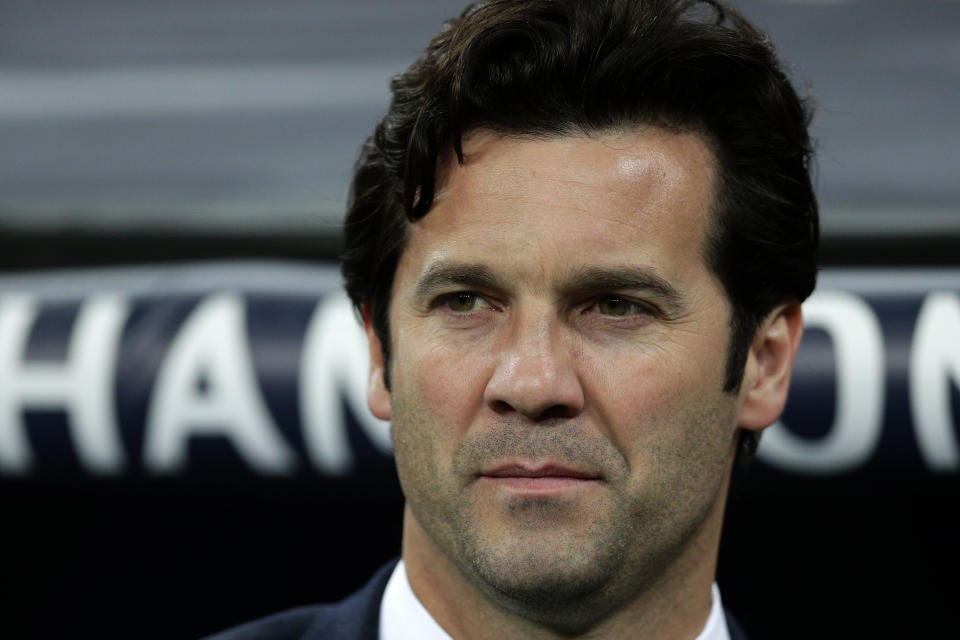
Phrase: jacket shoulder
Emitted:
{"points": [[355, 618], [733, 627], [286, 625]]}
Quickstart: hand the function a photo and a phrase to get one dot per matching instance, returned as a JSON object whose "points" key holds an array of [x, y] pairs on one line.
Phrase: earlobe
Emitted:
{"points": [[378, 396], [769, 363]]}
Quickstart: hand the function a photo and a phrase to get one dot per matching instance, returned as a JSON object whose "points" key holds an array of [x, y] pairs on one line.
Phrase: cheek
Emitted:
{"points": [[640, 381], [647, 401], [448, 381], [437, 393]]}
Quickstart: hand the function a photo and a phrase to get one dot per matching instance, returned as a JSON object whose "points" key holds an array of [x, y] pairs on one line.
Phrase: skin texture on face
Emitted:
{"points": [[560, 429]]}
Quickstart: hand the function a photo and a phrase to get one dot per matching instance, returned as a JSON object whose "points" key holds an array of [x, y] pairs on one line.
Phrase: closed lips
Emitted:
{"points": [[515, 471]]}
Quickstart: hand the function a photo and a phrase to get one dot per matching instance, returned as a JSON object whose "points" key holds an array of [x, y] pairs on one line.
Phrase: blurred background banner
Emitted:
{"points": [[184, 442], [261, 367]]}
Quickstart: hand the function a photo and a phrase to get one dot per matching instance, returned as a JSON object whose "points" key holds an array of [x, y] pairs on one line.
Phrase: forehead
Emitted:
{"points": [[640, 196]]}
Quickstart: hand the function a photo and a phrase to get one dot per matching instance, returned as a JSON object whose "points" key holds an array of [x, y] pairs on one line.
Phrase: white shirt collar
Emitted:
{"points": [[402, 617], [716, 627]]}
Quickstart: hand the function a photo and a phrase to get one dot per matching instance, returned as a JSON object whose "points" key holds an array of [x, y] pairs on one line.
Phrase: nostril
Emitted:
{"points": [[501, 407], [557, 411], [553, 412]]}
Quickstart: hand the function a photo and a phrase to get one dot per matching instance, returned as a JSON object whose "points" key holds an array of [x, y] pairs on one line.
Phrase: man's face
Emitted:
{"points": [[561, 433]]}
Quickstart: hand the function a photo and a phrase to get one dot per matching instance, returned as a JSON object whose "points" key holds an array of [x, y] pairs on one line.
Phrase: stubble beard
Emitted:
{"points": [[549, 558], [541, 567]]}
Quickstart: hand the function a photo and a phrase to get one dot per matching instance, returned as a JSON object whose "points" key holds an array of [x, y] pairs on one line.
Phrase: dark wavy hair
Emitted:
{"points": [[569, 67]]}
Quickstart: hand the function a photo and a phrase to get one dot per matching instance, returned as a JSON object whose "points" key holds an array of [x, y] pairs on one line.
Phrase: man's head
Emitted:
{"points": [[553, 68], [579, 239]]}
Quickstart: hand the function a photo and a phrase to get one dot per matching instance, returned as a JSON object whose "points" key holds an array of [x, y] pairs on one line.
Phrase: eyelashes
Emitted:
{"points": [[619, 306], [465, 301], [607, 305]]}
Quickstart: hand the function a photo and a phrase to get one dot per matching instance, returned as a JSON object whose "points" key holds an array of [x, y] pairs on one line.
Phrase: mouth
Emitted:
{"points": [[539, 478]]}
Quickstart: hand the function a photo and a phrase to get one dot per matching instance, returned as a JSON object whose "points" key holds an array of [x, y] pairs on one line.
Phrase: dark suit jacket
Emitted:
{"points": [[356, 618]]}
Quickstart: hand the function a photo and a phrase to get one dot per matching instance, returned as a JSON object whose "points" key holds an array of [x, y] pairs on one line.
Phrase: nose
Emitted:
{"points": [[536, 374]]}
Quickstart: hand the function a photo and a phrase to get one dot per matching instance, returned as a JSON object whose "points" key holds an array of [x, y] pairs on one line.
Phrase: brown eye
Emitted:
{"points": [[613, 306], [465, 301]]}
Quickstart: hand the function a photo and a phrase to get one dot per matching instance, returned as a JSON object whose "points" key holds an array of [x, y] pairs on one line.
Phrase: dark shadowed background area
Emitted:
{"points": [[172, 178]]}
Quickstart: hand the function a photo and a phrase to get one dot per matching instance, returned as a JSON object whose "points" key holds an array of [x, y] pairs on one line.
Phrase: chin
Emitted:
{"points": [[557, 580]]}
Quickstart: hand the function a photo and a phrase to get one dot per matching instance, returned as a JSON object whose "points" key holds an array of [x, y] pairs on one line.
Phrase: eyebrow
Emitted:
{"points": [[441, 275], [592, 279]]}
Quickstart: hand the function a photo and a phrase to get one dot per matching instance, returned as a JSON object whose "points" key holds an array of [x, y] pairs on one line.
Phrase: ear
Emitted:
{"points": [[378, 397], [766, 377]]}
